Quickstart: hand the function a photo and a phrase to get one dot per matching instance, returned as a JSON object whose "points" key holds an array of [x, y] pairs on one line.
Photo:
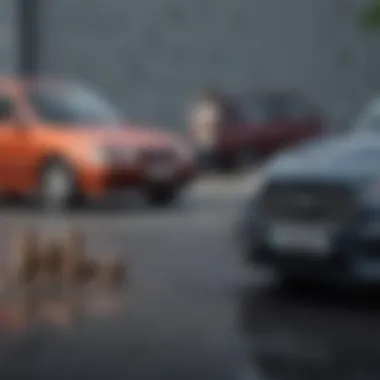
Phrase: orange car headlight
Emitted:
{"points": [[113, 155]]}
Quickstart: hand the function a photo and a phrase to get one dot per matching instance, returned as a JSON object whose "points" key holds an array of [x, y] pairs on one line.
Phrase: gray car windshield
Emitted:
{"points": [[369, 119], [72, 105]]}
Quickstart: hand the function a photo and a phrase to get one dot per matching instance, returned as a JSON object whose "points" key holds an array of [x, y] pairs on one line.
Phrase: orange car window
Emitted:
{"points": [[71, 105]]}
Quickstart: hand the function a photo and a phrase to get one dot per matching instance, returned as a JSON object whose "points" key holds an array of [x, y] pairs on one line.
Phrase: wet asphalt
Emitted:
{"points": [[192, 309]]}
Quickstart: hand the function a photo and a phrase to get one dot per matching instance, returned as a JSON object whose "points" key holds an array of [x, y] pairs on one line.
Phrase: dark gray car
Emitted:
{"points": [[316, 213]]}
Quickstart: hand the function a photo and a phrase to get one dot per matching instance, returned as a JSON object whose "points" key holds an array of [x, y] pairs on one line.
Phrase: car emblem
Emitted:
{"points": [[305, 200]]}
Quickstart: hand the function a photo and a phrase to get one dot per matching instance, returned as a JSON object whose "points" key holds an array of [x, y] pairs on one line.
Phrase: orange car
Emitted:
{"points": [[63, 143]]}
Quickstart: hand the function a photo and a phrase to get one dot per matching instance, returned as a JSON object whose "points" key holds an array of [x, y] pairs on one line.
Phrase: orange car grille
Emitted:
{"points": [[153, 156]]}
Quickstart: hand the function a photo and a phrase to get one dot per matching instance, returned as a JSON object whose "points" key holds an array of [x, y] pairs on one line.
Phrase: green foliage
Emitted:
{"points": [[370, 17]]}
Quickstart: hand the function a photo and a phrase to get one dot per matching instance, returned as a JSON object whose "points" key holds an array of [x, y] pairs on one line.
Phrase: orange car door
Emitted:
{"points": [[16, 149], [6, 135]]}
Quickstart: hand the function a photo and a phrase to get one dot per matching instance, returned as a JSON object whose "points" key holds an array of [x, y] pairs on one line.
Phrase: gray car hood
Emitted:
{"points": [[352, 157]]}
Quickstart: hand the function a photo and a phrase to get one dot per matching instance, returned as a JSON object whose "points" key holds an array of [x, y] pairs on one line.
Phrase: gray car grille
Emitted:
{"points": [[307, 202]]}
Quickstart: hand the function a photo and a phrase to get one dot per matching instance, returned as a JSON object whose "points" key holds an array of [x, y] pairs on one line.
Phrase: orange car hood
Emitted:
{"points": [[127, 136]]}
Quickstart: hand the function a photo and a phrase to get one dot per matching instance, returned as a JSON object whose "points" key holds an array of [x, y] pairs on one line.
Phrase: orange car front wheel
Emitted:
{"points": [[58, 186]]}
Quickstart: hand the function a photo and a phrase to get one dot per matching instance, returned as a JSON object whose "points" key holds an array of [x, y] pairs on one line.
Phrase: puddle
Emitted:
{"points": [[314, 337], [21, 310]]}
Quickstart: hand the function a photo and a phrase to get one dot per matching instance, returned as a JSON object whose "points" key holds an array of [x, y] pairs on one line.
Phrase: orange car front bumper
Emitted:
{"points": [[96, 182]]}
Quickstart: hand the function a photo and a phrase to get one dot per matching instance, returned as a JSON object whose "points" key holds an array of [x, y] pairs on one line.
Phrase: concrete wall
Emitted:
{"points": [[151, 56], [8, 40]]}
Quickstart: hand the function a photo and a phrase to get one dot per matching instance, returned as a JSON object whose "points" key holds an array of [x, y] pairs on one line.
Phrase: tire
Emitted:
{"points": [[240, 160], [161, 196], [11, 199], [58, 188]]}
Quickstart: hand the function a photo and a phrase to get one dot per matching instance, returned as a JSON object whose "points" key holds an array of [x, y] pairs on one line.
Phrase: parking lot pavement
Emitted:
{"points": [[193, 310], [313, 334], [220, 188]]}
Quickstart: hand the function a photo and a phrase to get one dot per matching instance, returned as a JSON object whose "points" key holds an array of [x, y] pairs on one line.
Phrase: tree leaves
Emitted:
{"points": [[370, 16]]}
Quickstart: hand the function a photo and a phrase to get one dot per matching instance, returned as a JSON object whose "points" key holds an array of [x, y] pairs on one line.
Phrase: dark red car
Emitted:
{"points": [[256, 125]]}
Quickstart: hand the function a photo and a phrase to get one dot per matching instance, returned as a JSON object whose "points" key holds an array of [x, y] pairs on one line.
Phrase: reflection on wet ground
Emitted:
{"points": [[52, 280], [21, 310], [313, 334], [38, 330], [176, 318]]}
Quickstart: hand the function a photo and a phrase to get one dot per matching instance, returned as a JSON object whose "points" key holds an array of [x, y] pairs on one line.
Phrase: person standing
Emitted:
{"points": [[211, 113], [206, 118]]}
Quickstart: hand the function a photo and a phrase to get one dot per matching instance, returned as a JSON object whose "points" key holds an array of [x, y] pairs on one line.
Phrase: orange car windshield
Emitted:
{"points": [[72, 106]]}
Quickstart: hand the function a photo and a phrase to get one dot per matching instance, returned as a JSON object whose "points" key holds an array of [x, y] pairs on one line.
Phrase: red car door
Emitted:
{"points": [[251, 132], [268, 122], [277, 135], [254, 137], [260, 138], [276, 130]]}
